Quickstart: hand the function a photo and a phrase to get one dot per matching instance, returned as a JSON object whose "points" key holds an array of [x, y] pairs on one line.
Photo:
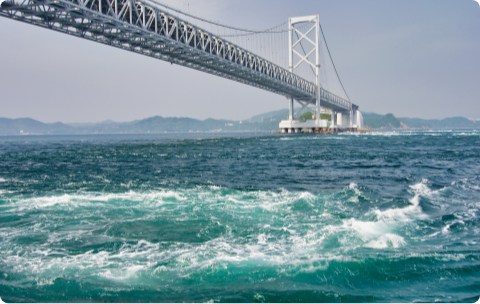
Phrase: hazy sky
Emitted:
{"points": [[412, 58]]}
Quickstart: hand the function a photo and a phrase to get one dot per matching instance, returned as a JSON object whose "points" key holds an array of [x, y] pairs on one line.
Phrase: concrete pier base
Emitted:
{"points": [[298, 124], [313, 126]]}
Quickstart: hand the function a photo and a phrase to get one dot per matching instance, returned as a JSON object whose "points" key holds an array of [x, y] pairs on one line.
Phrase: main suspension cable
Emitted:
{"points": [[331, 59]]}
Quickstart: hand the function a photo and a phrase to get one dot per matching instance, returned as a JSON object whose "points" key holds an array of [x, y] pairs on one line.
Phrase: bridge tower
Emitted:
{"points": [[304, 60], [304, 56], [313, 23]]}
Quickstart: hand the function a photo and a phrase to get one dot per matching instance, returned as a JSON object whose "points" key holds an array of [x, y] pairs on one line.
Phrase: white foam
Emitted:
{"points": [[291, 252], [295, 245], [466, 184], [422, 188], [43, 281], [214, 187], [262, 239], [2, 180], [446, 229], [379, 233], [408, 213], [354, 187], [213, 196], [130, 198], [123, 273], [440, 256], [388, 240], [466, 133], [387, 133], [367, 230]]}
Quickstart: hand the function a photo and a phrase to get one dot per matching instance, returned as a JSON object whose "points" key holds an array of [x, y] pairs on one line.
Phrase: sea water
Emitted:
{"points": [[376, 217]]}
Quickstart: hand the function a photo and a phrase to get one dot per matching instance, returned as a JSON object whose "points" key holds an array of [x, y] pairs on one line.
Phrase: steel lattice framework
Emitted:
{"points": [[141, 26]]}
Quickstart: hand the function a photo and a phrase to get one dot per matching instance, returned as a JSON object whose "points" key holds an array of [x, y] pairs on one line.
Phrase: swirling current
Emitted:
{"points": [[377, 217]]}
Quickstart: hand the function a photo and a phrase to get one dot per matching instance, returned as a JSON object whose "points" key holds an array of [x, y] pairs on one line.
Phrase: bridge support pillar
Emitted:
{"points": [[333, 119], [318, 115], [290, 107]]}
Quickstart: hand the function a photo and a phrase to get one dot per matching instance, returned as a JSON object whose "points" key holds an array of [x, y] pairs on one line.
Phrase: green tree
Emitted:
{"points": [[310, 116]]}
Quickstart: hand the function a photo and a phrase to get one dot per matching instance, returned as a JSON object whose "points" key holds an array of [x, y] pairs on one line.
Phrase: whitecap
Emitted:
{"points": [[367, 230], [130, 198], [466, 184], [446, 229], [388, 240], [440, 256], [215, 187], [43, 281], [123, 273], [354, 187], [408, 213], [422, 188]]}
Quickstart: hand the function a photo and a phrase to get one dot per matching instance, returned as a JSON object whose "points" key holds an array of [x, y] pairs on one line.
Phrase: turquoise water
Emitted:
{"points": [[380, 217]]}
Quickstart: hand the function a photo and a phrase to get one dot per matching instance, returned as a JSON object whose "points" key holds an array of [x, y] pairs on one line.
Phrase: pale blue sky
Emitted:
{"points": [[411, 58]]}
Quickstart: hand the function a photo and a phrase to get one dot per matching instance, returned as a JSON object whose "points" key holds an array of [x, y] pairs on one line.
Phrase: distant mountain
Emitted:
{"points": [[30, 126], [156, 124], [263, 122], [270, 116], [377, 121], [447, 123], [89, 124], [389, 121]]}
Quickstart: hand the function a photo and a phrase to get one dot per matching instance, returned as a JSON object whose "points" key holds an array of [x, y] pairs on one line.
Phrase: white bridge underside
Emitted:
{"points": [[140, 26]]}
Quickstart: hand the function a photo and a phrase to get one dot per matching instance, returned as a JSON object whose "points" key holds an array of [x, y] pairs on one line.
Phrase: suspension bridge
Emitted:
{"points": [[284, 59]]}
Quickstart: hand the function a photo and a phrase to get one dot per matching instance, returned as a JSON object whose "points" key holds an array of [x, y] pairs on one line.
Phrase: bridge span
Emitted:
{"points": [[145, 27]]}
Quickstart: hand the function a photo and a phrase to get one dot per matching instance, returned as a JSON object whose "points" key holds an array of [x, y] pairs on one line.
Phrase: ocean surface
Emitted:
{"points": [[244, 217]]}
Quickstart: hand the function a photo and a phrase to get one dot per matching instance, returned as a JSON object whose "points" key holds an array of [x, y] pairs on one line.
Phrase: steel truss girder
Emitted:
{"points": [[142, 27]]}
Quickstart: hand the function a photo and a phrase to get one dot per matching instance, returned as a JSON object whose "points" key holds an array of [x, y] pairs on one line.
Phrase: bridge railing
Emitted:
{"points": [[334, 99], [142, 26]]}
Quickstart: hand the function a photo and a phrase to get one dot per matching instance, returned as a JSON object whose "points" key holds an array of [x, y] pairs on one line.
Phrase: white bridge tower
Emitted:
{"points": [[304, 60], [314, 25]]}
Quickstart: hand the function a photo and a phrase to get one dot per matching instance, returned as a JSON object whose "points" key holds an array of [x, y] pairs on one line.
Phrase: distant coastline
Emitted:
{"points": [[260, 123]]}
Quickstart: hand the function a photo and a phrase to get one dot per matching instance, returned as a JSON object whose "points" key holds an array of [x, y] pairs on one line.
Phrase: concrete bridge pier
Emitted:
{"points": [[333, 119], [290, 108]]}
